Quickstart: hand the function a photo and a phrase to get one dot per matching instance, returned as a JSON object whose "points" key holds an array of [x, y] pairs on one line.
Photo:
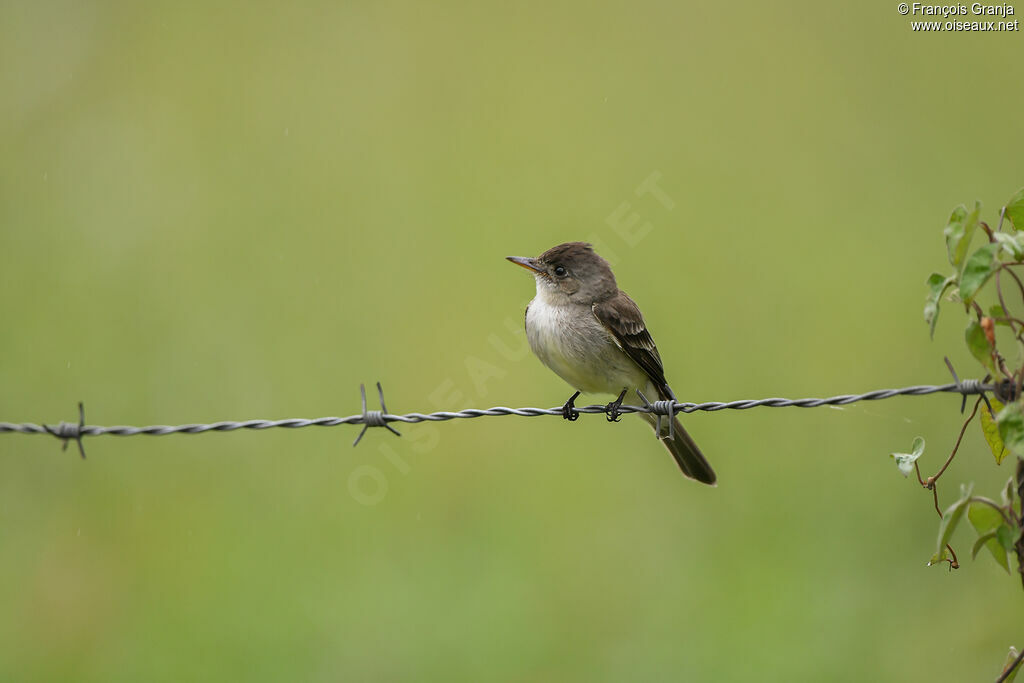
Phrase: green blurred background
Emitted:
{"points": [[245, 210]]}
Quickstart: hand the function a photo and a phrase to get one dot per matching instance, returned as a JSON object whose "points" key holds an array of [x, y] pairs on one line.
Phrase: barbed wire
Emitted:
{"points": [[76, 431]]}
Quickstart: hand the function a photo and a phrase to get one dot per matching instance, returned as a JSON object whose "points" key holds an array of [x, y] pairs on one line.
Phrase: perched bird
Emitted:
{"points": [[582, 326]]}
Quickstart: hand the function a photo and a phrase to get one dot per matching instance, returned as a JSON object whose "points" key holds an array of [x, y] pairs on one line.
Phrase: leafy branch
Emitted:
{"points": [[989, 271], [987, 333]]}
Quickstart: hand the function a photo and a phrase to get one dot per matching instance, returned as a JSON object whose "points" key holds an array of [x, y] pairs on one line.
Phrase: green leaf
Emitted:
{"points": [[991, 430], [1011, 659], [1011, 243], [983, 517], [959, 231], [937, 286], [1015, 210], [977, 342], [950, 518], [981, 542], [996, 312], [1011, 427], [905, 461], [977, 270], [1004, 535], [1008, 492], [986, 520]]}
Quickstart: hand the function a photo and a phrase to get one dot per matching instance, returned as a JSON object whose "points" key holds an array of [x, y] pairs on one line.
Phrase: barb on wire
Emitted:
{"points": [[381, 418], [373, 418], [69, 431], [660, 409]]}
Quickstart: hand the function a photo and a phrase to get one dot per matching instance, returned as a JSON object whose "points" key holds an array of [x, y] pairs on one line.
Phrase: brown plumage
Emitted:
{"points": [[582, 326]]}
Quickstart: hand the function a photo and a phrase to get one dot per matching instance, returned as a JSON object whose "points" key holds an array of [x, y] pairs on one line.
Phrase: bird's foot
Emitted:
{"points": [[611, 410], [569, 411]]}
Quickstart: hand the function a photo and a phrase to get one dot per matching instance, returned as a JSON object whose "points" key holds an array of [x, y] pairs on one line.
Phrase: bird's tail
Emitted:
{"points": [[684, 449]]}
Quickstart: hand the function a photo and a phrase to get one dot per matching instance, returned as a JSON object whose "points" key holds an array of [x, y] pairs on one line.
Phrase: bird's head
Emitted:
{"points": [[570, 273]]}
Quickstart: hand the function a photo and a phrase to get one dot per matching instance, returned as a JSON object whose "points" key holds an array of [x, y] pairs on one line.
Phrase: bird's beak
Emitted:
{"points": [[528, 263]]}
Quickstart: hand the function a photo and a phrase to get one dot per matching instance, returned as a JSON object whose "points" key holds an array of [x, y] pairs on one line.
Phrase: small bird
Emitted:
{"points": [[586, 329]]}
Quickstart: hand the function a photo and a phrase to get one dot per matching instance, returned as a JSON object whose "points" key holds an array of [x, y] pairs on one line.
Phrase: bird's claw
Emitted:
{"points": [[611, 410], [569, 411]]}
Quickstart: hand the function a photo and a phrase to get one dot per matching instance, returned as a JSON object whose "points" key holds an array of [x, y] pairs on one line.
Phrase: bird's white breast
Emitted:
{"points": [[570, 340]]}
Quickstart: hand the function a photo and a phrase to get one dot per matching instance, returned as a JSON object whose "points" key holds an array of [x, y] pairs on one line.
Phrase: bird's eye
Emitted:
{"points": [[560, 271]]}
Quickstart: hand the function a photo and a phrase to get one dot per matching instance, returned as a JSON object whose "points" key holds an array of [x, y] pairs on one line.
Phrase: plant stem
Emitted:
{"points": [[960, 438], [1013, 665]]}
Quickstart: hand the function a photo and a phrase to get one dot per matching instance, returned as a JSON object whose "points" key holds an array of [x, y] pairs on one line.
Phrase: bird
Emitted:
{"points": [[593, 336]]}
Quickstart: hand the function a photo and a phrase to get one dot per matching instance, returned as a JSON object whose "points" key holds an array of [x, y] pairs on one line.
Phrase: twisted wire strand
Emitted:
{"points": [[72, 431]]}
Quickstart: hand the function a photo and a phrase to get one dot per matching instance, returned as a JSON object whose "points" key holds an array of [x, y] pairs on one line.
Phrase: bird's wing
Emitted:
{"points": [[622, 317]]}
